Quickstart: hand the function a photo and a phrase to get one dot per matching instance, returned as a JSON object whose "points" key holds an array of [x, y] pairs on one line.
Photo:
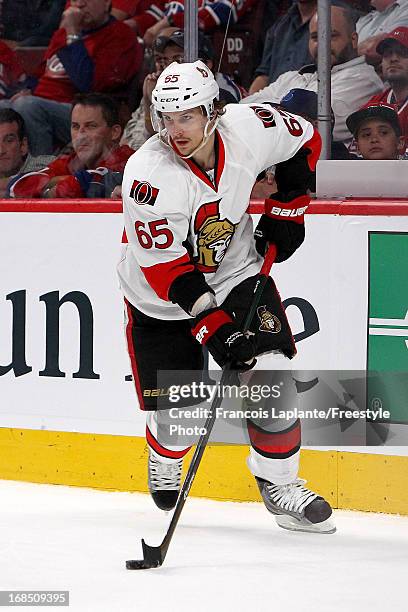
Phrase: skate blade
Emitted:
{"points": [[292, 524]]}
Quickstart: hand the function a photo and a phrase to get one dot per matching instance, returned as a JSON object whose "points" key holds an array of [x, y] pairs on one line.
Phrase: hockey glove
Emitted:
{"points": [[215, 329], [282, 224]]}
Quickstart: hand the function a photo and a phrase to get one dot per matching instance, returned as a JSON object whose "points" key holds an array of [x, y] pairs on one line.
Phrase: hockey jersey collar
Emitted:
{"points": [[219, 148]]}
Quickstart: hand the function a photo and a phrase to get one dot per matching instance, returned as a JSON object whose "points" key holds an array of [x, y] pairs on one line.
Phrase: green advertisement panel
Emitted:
{"points": [[387, 325]]}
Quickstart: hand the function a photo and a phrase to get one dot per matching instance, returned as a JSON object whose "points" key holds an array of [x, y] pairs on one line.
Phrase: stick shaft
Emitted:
{"points": [[202, 442]]}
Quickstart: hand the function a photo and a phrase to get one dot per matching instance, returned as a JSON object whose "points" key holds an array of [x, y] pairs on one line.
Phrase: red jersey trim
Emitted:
{"points": [[161, 276], [219, 157], [219, 163], [204, 268], [315, 146]]}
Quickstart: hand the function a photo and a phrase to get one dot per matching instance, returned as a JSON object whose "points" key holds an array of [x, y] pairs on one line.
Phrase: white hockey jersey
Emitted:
{"points": [[177, 216]]}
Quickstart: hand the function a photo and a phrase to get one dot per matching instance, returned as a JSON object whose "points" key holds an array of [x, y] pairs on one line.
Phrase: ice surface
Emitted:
{"points": [[224, 556]]}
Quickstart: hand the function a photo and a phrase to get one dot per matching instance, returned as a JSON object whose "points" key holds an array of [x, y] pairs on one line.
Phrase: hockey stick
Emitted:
{"points": [[153, 556]]}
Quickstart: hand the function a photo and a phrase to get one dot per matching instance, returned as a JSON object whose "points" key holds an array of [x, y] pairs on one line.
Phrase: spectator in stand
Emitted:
{"points": [[286, 44], [394, 64], [15, 157], [91, 51], [387, 16], [138, 14], [97, 162], [12, 76], [139, 127], [30, 23], [353, 81], [47, 24], [168, 48], [377, 132], [211, 14]]}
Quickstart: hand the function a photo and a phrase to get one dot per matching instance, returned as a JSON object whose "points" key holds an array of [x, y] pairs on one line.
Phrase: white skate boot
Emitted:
{"points": [[164, 480], [295, 507]]}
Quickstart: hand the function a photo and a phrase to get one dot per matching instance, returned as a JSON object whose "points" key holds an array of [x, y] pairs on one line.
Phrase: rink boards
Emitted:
{"points": [[68, 411]]}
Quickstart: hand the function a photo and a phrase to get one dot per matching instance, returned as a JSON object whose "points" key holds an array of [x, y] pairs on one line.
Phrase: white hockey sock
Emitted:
{"points": [[278, 471], [151, 423]]}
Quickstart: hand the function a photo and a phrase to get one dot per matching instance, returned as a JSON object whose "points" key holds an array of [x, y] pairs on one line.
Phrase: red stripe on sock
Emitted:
{"points": [[280, 443], [160, 450]]}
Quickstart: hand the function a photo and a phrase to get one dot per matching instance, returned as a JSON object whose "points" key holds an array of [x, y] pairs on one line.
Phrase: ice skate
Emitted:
{"points": [[296, 507], [164, 481]]}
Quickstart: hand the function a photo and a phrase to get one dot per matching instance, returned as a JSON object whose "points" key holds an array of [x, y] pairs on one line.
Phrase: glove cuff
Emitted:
{"points": [[187, 288], [287, 211], [208, 322]]}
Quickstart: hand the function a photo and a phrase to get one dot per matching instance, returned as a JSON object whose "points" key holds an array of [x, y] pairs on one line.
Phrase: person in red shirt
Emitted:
{"points": [[148, 21], [88, 170], [138, 14], [91, 51], [394, 52], [12, 76]]}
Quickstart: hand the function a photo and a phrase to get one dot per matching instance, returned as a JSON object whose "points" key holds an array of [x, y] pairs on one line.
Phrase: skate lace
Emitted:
{"points": [[164, 476], [293, 496]]}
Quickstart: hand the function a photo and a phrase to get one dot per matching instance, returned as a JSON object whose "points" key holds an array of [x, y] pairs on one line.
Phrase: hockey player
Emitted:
{"points": [[191, 262]]}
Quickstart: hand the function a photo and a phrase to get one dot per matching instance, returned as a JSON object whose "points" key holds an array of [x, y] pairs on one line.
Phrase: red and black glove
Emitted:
{"points": [[282, 224], [216, 329]]}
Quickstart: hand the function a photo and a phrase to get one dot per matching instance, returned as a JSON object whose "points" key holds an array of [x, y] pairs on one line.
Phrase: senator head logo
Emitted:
{"points": [[269, 322], [213, 236]]}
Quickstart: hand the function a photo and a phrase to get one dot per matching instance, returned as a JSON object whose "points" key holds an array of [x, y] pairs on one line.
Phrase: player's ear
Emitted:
{"points": [[24, 146], [116, 131]]}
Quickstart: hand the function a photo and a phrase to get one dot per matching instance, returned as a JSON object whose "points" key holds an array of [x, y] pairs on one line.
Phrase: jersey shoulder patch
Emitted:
{"points": [[152, 179], [143, 193]]}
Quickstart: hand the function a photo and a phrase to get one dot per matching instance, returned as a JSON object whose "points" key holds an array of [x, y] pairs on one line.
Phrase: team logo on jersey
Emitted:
{"points": [[265, 115], [203, 72], [55, 66], [143, 192], [269, 322], [213, 236]]}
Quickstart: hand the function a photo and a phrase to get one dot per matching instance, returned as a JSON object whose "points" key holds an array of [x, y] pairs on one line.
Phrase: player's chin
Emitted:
{"points": [[393, 71], [377, 154]]}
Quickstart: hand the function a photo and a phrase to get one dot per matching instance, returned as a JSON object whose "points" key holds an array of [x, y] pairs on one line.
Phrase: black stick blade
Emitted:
{"points": [[153, 557], [136, 564]]}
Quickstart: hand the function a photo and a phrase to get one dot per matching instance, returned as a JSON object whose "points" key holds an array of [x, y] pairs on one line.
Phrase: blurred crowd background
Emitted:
{"points": [[76, 78]]}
